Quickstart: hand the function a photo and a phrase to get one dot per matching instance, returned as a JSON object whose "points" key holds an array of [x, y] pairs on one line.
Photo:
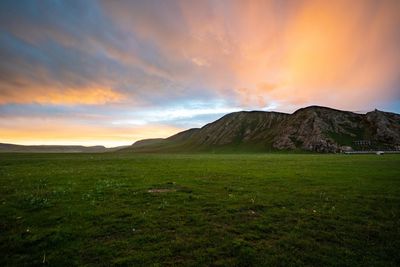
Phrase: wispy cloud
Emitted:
{"points": [[144, 63]]}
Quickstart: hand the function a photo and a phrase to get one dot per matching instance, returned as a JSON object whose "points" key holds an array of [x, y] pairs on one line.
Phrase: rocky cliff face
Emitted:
{"points": [[319, 129], [383, 127], [314, 128]]}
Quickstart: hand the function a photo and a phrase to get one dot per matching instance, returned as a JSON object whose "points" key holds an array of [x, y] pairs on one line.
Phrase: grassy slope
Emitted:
{"points": [[276, 209], [168, 146]]}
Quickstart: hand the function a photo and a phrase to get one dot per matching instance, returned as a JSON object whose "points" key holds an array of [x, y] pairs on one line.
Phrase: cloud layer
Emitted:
{"points": [[170, 65]]}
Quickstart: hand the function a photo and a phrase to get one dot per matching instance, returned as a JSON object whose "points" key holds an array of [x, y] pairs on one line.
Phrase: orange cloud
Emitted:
{"points": [[89, 95], [244, 54], [342, 53]]}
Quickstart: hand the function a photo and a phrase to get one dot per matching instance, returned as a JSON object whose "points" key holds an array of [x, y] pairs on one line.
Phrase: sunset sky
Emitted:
{"points": [[112, 72]]}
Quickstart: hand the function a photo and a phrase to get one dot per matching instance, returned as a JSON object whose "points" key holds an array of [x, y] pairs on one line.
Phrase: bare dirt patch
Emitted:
{"points": [[160, 190]]}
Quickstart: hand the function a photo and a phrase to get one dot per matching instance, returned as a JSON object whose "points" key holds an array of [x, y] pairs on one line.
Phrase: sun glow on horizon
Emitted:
{"points": [[131, 70]]}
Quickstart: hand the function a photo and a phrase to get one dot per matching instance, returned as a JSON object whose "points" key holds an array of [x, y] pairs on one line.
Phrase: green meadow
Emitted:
{"points": [[199, 210]]}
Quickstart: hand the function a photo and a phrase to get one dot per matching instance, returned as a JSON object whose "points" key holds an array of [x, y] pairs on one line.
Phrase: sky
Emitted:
{"points": [[113, 72]]}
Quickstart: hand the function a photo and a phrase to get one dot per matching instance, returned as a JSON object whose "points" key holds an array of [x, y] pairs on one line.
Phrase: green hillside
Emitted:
{"points": [[315, 129]]}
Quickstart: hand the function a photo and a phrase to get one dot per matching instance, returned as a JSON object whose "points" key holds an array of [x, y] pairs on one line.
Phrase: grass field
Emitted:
{"points": [[199, 210]]}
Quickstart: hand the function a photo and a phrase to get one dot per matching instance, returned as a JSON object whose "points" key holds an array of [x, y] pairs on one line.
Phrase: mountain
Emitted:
{"points": [[314, 128], [56, 149]]}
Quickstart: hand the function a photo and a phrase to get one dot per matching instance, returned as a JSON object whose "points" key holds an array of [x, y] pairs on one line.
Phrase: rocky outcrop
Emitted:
{"points": [[384, 126], [315, 128]]}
